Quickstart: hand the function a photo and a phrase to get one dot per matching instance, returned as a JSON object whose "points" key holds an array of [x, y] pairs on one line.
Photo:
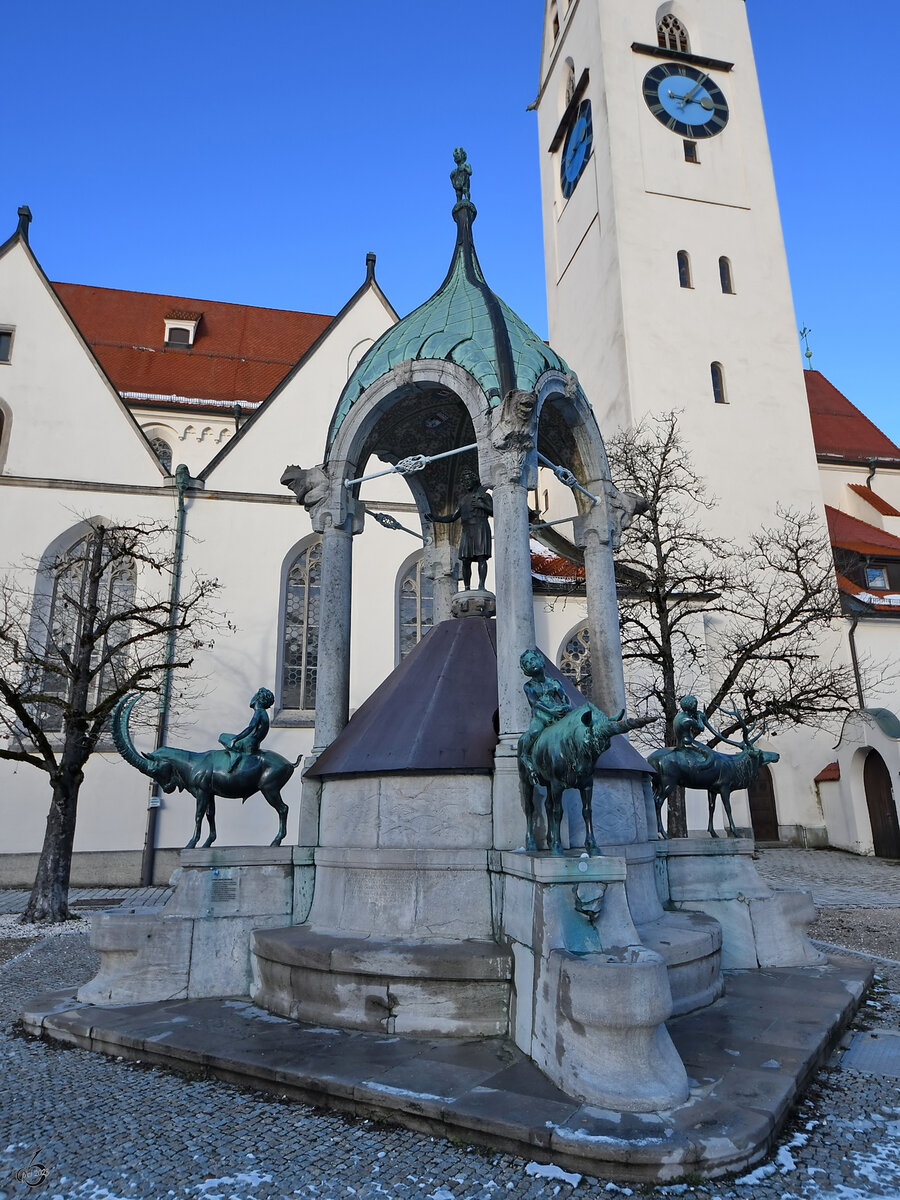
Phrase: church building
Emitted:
{"points": [[667, 288]]}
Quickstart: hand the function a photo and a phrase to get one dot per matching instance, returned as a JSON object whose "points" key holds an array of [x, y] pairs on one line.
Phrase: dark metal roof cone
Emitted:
{"points": [[437, 712]]}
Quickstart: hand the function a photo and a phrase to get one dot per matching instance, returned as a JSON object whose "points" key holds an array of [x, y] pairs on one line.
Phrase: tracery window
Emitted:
{"points": [[672, 35], [59, 621], [575, 660], [163, 452], [684, 269], [415, 606], [717, 373], [725, 276], [300, 638]]}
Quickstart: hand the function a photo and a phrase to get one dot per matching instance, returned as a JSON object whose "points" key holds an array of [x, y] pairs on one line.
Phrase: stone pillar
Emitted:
{"points": [[593, 535], [437, 565], [333, 671], [515, 633]]}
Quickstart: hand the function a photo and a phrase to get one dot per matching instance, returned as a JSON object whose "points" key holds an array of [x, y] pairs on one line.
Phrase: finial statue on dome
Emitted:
{"points": [[461, 175]]}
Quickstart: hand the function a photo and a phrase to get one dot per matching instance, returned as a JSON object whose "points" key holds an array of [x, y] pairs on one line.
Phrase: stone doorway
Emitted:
{"points": [[882, 809], [763, 813]]}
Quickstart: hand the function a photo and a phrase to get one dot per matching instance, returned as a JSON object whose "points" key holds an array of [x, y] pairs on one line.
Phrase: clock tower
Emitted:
{"points": [[666, 274]]}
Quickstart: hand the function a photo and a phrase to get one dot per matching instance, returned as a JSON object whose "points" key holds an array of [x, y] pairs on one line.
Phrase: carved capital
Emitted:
{"points": [[608, 520], [513, 436], [324, 497]]}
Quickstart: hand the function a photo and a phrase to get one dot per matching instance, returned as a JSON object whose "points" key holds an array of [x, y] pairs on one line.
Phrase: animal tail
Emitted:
{"points": [[298, 762]]}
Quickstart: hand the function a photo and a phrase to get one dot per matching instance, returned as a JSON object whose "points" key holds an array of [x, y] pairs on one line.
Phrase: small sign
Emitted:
{"points": [[224, 890]]}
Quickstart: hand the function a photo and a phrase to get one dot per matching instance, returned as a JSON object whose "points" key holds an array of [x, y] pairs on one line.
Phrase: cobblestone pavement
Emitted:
{"points": [[835, 878], [110, 1130]]}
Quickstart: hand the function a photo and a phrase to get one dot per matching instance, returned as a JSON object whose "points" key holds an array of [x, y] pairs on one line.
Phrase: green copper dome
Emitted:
{"points": [[465, 323]]}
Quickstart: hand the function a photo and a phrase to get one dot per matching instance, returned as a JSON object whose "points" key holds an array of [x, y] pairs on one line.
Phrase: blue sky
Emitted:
{"points": [[255, 153]]}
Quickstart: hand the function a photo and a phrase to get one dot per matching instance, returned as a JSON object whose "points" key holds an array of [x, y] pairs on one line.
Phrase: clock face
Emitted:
{"points": [[685, 100], [577, 149]]}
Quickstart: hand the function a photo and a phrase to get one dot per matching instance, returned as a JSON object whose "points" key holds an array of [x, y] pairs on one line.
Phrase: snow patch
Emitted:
{"points": [[551, 1171]]}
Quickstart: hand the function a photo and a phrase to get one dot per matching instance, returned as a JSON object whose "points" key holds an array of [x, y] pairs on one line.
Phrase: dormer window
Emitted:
{"points": [[181, 328]]}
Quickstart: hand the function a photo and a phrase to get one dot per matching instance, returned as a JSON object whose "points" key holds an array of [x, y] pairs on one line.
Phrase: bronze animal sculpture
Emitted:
{"points": [[563, 756], [207, 774], [718, 774]]}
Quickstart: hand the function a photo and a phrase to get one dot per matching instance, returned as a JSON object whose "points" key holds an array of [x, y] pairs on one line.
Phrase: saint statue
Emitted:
{"points": [[473, 509], [249, 740]]}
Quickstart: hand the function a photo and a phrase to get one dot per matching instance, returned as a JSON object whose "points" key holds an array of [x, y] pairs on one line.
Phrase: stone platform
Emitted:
{"points": [[748, 1057]]}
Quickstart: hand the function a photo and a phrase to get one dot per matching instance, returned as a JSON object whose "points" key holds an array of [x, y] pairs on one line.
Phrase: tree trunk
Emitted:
{"points": [[49, 900], [676, 818]]}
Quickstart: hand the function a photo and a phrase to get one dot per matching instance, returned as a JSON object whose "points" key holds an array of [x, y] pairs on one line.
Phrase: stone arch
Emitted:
{"points": [[353, 442], [560, 396]]}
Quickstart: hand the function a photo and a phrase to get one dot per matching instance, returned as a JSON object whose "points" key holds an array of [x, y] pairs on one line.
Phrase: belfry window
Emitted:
{"points": [[300, 637], [415, 606], [575, 660], [717, 375], [725, 276], [684, 269], [672, 35]]}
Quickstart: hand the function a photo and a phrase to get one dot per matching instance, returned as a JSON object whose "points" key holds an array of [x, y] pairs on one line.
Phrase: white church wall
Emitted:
{"points": [[59, 400]]}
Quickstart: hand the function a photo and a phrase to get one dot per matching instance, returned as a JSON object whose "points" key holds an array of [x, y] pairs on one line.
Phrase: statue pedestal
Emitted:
{"points": [[761, 926], [474, 602], [199, 944], [590, 1001]]}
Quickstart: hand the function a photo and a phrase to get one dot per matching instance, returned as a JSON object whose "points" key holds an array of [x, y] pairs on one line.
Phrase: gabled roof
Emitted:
{"points": [[240, 354], [840, 430], [849, 533]]}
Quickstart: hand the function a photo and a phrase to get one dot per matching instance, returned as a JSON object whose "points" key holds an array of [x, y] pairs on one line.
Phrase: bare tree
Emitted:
{"points": [[103, 620], [746, 625]]}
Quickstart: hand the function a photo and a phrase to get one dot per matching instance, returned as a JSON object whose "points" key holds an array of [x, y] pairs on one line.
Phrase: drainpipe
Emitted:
{"points": [[855, 661], [182, 479], [873, 467]]}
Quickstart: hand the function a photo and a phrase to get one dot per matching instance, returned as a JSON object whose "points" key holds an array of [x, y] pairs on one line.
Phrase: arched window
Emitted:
{"points": [[717, 374], [555, 22], [415, 605], [300, 637], [70, 581], [725, 276], [672, 35], [570, 83], [163, 452], [575, 660], [684, 269], [5, 429]]}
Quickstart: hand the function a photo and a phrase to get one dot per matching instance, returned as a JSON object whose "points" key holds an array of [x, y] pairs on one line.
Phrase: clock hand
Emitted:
{"points": [[690, 95]]}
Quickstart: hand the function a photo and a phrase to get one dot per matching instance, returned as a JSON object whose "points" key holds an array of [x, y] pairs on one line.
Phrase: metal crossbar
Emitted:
{"points": [[564, 475], [407, 466]]}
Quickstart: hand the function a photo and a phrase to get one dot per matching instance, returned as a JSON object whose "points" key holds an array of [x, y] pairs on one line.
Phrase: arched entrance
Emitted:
{"points": [[763, 813], [882, 809]]}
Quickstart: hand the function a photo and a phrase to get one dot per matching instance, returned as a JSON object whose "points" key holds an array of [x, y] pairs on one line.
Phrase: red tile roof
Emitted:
{"points": [[852, 534], [878, 502], [839, 429], [240, 352], [829, 774]]}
